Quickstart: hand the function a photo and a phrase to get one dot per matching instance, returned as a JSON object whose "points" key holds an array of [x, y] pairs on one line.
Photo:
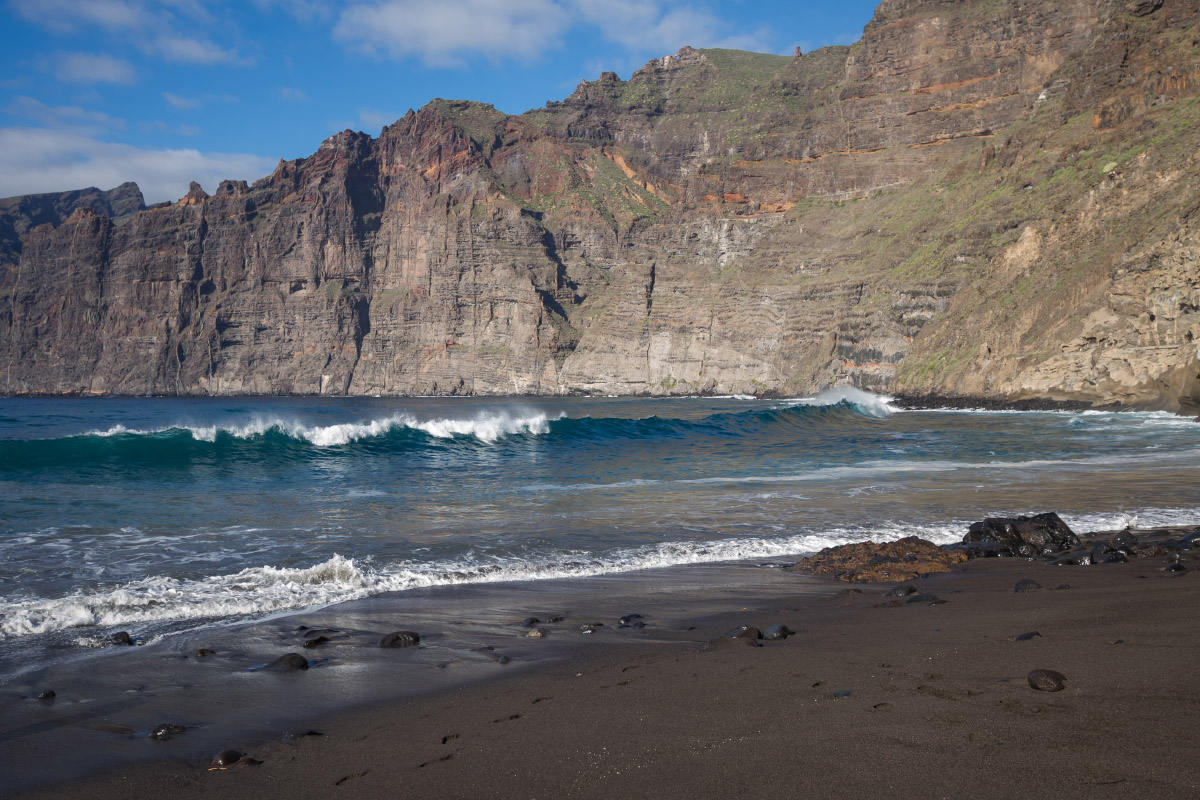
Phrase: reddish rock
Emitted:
{"points": [[869, 562]]}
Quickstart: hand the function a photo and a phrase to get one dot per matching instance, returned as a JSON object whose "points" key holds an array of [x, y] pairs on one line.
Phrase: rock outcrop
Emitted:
{"points": [[978, 199], [868, 562]]}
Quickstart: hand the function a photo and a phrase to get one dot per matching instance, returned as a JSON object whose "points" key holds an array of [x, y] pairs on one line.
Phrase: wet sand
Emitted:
{"points": [[864, 700]]}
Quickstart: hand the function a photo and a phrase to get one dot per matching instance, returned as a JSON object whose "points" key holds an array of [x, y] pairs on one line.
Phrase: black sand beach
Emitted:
{"points": [[869, 697]]}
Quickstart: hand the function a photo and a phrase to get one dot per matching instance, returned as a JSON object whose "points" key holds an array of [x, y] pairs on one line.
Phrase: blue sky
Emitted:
{"points": [[96, 92]]}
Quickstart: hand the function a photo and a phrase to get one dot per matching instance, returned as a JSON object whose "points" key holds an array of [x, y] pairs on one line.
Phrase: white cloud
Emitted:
{"points": [[88, 68], [186, 50], [444, 33], [646, 26], [307, 11], [186, 103], [62, 116], [153, 26], [68, 16], [373, 118], [34, 160]]}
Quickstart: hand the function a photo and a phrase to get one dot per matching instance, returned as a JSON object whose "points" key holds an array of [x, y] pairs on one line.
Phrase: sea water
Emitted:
{"points": [[163, 516]]}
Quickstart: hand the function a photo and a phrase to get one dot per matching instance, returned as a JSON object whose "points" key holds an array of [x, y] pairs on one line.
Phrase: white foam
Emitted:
{"points": [[870, 404], [267, 589], [486, 427]]}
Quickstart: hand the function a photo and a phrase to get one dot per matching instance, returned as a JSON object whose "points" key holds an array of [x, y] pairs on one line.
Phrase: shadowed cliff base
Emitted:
{"points": [[977, 199]]}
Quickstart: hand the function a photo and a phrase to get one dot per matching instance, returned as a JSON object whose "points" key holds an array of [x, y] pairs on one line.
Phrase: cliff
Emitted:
{"points": [[995, 198]]}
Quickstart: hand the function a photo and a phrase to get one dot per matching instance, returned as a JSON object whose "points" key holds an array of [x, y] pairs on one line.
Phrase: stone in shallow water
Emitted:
{"points": [[46, 695], [121, 637], [538, 633], [204, 651], [225, 759], [165, 731], [288, 662], [628, 619], [530, 622], [400, 639], [1027, 585], [1046, 680]]}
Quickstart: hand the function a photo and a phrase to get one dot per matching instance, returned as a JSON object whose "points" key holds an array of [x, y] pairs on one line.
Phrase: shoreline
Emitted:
{"points": [[937, 700]]}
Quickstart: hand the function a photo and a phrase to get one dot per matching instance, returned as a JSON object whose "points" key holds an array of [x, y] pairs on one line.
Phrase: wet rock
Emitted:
{"points": [[975, 550], [1046, 680], [1124, 541], [744, 632], [1080, 558], [400, 639], [869, 562], [204, 652], [1026, 585], [46, 695], [590, 627], [925, 600], [1025, 637], [1043, 533], [1191, 541], [288, 662], [1175, 568], [1062, 586], [1100, 551], [317, 642], [538, 633], [904, 590], [629, 619], [555, 618], [638, 624], [841, 694], [165, 731], [121, 638], [530, 622], [225, 759], [777, 633]]}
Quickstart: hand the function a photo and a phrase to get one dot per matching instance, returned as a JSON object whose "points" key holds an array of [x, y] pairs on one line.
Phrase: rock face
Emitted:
{"points": [[977, 199], [868, 562]]}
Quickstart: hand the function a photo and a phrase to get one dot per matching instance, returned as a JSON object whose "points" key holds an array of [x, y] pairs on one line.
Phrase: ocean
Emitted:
{"points": [[164, 517]]}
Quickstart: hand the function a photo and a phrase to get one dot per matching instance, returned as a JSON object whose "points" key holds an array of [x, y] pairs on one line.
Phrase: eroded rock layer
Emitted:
{"points": [[978, 199]]}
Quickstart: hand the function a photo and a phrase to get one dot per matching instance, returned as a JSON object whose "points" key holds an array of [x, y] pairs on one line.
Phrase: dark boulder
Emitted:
{"points": [[121, 638], [204, 651], [400, 639], [46, 695], [1028, 636], [225, 759], [1041, 533]]}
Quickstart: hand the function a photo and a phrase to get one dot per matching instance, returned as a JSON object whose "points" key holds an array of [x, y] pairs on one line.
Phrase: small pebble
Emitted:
{"points": [[46, 695], [225, 759], [1025, 637], [1027, 585], [841, 694], [538, 633], [530, 622]]}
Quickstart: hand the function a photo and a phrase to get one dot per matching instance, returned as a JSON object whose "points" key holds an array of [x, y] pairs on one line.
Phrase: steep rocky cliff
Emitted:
{"points": [[996, 198]]}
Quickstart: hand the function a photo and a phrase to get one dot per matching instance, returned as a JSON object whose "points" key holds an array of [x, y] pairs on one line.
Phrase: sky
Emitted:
{"points": [[163, 92]]}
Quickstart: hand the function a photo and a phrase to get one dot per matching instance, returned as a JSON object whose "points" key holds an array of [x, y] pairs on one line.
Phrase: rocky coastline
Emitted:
{"points": [[1005, 665]]}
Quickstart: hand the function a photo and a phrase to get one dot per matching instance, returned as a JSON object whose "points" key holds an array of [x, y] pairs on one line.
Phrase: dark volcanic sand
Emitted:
{"points": [[938, 706]]}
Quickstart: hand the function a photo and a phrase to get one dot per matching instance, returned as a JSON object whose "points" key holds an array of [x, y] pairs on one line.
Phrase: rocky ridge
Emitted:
{"points": [[978, 199]]}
